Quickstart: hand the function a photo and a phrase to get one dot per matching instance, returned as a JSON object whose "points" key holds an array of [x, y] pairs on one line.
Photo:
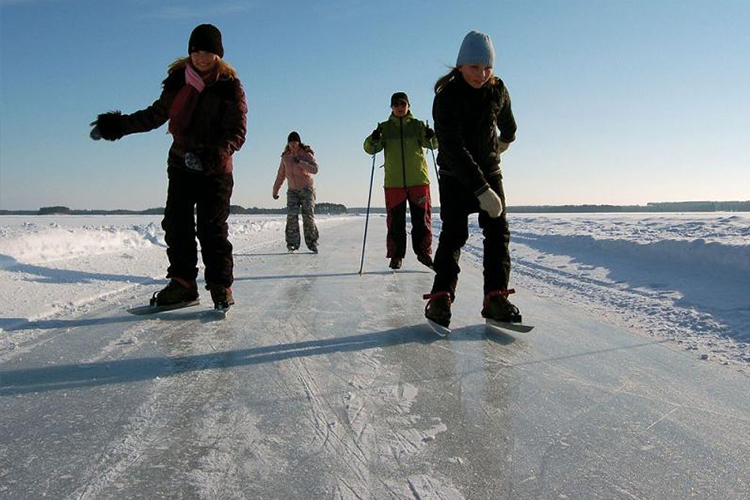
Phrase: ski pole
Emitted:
{"points": [[367, 216], [434, 163]]}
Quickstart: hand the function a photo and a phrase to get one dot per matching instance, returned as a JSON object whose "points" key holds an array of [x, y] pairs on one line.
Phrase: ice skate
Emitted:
{"points": [[438, 312]]}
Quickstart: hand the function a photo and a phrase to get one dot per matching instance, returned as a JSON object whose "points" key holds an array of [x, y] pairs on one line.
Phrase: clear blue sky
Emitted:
{"points": [[617, 102]]}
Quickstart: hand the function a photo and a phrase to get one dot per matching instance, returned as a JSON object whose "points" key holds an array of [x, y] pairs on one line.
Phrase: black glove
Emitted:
{"points": [[95, 132], [375, 135], [429, 133], [276, 197], [107, 126], [193, 162]]}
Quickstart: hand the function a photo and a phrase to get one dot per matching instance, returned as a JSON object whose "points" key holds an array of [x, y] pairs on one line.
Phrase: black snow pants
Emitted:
{"points": [[192, 196], [456, 203]]}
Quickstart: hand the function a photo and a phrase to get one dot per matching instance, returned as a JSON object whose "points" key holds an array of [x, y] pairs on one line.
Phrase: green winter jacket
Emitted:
{"points": [[403, 140]]}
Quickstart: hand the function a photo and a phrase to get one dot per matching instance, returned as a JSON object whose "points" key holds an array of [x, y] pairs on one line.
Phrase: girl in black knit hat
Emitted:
{"points": [[203, 101]]}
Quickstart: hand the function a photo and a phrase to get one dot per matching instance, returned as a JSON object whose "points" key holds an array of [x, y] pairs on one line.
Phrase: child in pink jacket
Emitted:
{"points": [[297, 167]]}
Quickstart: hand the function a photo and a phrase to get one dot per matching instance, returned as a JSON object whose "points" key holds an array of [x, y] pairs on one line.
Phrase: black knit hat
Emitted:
{"points": [[206, 37], [399, 97], [293, 136]]}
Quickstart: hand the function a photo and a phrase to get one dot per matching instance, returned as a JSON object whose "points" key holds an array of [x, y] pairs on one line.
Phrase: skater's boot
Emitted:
{"points": [[221, 295], [396, 263], [497, 307], [438, 308], [177, 290], [425, 259]]}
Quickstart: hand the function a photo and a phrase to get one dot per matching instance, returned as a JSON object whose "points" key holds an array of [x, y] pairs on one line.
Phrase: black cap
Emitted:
{"points": [[293, 136], [206, 37], [398, 97]]}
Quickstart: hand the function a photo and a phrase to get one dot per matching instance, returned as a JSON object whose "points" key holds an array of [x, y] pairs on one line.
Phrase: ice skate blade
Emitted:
{"points": [[441, 330], [218, 313], [141, 310], [502, 325]]}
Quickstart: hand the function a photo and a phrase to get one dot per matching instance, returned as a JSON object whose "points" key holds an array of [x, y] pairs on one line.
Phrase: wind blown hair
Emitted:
{"points": [[224, 68], [454, 73]]}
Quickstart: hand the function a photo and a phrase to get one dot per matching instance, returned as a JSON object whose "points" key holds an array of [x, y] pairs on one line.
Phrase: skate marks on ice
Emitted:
{"points": [[342, 413], [133, 436], [353, 437]]}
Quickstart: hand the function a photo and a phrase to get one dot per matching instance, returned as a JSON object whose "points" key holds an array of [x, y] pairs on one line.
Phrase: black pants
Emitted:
{"points": [[190, 197], [456, 203]]}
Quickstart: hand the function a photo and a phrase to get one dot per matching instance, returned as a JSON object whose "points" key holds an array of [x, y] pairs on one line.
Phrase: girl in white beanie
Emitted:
{"points": [[470, 105]]}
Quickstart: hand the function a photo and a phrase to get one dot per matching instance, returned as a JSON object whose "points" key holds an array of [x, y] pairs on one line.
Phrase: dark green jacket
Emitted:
{"points": [[404, 141]]}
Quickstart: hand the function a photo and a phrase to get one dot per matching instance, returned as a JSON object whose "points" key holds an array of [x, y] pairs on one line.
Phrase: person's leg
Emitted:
{"points": [[421, 221], [293, 204], [213, 230], [179, 227], [395, 204], [455, 207], [497, 265], [308, 219], [496, 234]]}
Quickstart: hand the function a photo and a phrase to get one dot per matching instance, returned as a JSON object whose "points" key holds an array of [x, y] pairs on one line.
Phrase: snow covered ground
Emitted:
{"points": [[682, 277], [326, 384], [58, 266]]}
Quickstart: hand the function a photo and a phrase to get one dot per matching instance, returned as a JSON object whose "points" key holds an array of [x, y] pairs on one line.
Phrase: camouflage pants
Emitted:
{"points": [[301, 201]]}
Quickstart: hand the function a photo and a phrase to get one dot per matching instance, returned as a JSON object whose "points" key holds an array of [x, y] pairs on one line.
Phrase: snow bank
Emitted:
{"points": [[62, 265], [687, 240], [32, 243], [684, 277], [682, 254]]}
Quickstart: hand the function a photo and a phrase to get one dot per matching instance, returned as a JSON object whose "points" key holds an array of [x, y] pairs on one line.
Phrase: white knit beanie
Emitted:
{"points": [[476, 49]]}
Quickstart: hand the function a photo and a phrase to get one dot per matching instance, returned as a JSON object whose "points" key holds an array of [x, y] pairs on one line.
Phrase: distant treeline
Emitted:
{"points": [[320, 208], [677, 206], [336, 208]]}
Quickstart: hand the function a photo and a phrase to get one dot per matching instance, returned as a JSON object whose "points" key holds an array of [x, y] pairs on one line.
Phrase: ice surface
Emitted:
{"points": [[323, 383]]}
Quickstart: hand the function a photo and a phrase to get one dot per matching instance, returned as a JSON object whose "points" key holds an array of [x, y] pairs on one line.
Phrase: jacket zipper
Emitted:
{"points": [[403, 155]]}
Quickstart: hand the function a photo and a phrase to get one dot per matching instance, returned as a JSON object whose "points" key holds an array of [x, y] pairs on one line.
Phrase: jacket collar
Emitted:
{"points": [[406, 117]]}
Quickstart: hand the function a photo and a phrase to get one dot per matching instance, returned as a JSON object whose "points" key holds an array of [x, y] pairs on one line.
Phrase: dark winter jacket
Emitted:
{"points": [[217, 128], [466, 123]]}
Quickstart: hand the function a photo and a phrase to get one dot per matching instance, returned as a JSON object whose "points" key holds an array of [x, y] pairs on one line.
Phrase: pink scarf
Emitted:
{"points": [[185, 102]]}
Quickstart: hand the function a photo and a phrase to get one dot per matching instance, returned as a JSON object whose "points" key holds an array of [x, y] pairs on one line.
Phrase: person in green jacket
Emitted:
{"points": [[404, 138]]}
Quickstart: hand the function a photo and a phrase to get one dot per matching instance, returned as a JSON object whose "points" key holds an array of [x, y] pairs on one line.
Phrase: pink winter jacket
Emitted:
{"points": [[299, 174]]}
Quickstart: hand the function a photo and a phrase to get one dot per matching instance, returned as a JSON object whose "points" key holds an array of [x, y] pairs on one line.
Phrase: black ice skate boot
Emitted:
{"points": [[177, 291], [396, 263], [497, 307], [438, 309], [425, 259], [222, 296]]}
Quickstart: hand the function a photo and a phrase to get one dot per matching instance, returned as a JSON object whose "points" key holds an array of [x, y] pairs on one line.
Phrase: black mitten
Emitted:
{"points": [[108, 126]]}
